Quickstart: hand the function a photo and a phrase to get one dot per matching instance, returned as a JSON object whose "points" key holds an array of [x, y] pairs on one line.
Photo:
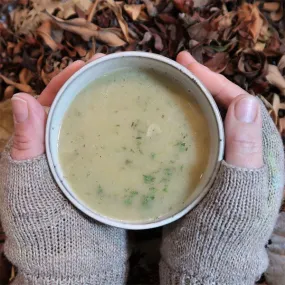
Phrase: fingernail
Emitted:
{"points": [[246, 109], [20, 109]]}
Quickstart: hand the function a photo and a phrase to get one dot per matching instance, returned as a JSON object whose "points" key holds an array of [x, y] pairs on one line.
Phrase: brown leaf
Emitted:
{"points": [[22, 87], [200, 3], [66, 9], [281, 63], [111, 37], [249, 17], [84, 5], [282, 132], [184, 6], [167, 19], [218, 62], [25, 76], [146, 38], [252, 63], [271, 6], [81, 51], [158, 42], [275, 78], [134, 10], [278, 15], [87, 30], [202, 32], [9, 92], [151, 9], [44, 31], [117, 9]]}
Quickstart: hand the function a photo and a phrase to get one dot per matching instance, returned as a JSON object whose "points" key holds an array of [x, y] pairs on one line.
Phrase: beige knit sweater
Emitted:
{"points": [[222, 241]]}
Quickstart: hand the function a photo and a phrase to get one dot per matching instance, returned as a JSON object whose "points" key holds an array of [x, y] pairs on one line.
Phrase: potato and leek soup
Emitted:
{"points": [[133, 145]]}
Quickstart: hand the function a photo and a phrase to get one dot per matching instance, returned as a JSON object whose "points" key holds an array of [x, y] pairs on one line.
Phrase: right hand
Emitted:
{"points": [[222, 240]]}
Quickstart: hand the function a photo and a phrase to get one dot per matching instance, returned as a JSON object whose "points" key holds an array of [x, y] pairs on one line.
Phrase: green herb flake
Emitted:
{"points": [[165, 189], [129, 198], [146, 199], [100, 189], [127, 161], [148, 179], [168, 172], [138, 138], [152, 155], [181, 146], [117, 125]]}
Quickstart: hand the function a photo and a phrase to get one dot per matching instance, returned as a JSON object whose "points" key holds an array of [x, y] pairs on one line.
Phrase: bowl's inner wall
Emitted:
{"points": [[98, 69]]}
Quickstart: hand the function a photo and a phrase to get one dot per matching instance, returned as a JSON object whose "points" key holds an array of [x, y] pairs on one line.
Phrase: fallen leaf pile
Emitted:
{"points": [[244, 40]]}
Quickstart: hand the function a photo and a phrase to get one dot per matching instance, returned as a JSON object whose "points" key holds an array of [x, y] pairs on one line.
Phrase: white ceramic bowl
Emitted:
{"points": [[110, 64]]}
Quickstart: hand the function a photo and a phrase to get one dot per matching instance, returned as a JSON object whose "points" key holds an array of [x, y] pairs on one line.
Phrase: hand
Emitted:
{"points": [[222, 240], [48, 240], [30, 116]]}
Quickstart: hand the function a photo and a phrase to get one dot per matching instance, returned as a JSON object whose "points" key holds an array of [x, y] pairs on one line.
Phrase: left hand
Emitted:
{"points": [[30, 115]]}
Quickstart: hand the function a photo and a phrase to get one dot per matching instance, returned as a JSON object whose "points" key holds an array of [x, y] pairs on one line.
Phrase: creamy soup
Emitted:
{"points": [[133, 146]]}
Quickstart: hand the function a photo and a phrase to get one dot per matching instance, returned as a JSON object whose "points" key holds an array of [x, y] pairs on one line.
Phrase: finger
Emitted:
{"points": [[243, 128], [223, 90], [96, 56], [47, 96], [29, 124]]}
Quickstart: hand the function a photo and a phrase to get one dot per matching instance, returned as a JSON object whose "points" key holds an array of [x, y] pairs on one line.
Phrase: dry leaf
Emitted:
{"points": [[25, 76], [202, 32], [25, 21], [252, 63], [200, 3], [9, 92], [281, 63], [151, 9], [275, 78], [6, 123], [218, 62], [134, 10], [184, 6], [87, 30], [249, 16], [22, 87], [282, 131], [116, 8], [44, 31], [271, 6]]}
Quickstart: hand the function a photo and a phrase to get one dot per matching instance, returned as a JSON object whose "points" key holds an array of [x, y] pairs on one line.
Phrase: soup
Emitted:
{"points": [[133, 145]]}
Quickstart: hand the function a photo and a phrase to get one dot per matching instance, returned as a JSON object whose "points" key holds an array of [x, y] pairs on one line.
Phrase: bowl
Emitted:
{"points": [[109, 64]]}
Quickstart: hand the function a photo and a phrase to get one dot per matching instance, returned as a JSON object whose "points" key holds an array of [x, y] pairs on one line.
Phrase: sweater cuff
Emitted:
{"points": [[27, 187]]}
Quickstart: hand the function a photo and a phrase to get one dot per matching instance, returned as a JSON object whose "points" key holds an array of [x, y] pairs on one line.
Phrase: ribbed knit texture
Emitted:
{"points": [[48, 240], [275, 273], [222, 241]]}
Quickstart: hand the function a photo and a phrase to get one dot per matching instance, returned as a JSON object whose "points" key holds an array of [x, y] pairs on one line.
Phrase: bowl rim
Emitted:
{"points": [[121, 224]]}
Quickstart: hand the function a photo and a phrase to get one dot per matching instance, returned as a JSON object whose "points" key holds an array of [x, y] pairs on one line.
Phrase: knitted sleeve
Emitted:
{"points": [[275, 273], [222, 241], [48, 240]]}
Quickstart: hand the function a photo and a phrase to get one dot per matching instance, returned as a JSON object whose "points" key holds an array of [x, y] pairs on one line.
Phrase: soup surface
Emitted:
{"points": [[133, 145]]}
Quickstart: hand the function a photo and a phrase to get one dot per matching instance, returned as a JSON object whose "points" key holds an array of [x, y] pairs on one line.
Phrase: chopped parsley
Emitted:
{"points": [[99, 189], [152, 155], [182, 146], [148, 179], [129, 198]]}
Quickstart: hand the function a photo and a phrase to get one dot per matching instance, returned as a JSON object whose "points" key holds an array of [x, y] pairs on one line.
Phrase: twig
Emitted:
{"points": [[93, 10]]}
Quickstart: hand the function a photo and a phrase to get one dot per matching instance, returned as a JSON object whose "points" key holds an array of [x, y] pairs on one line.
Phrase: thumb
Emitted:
{"points": [[243, 128], [29, 123]]}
